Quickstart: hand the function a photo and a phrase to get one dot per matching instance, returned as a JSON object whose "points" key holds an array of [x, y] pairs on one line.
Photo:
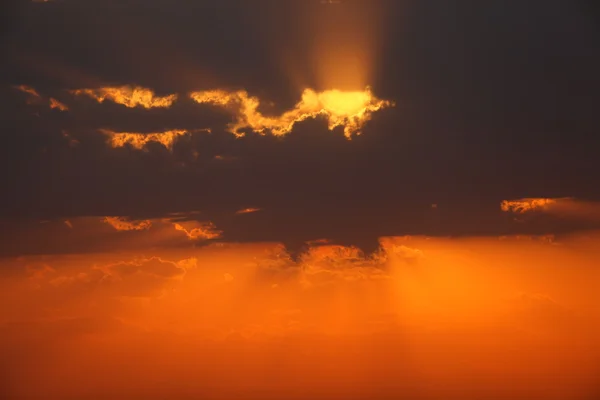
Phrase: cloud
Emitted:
{"points": [[140, 140], [247, 210], [350, 110], [124, 224], [129, 96], [523, 206], [34, 97], [33, 94], [323, 264], [69, 224], [195, 230], [142, 277], [39, 271], [153, 266], [566, 207], [55, 104]]}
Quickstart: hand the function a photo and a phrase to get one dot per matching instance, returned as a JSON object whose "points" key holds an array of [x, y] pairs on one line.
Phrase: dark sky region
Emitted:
{"points": [[494, 100]]}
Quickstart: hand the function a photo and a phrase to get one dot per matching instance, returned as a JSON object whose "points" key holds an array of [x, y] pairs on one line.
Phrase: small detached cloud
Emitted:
{"points": [[31, 92], [522, 206], [55, 104], [196, 230], [566, 207], [249, 210]]}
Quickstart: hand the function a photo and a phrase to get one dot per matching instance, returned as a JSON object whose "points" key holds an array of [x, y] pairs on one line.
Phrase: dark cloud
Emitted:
{"points": [[494, 100]]}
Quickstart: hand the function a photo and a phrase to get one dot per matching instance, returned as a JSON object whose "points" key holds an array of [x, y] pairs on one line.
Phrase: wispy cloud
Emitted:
{"points": [[248, 210], [29, 90], [565, 207], [129, 96], [55, 104], [198, 230], [522, 206], [34, 97], [124, 224], [140, 140]]}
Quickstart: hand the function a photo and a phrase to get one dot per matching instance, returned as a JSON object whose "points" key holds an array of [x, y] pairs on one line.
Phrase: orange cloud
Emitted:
{"points": [[123, 224], [522, 206], [58, 105], [139, 278], [248, 210], [198, 230], [347, 109], [39, 271], [29, 90], [153, 266], [566, 207], [325, 264], [128, 96], [69, 224], [140, 140], [36, 98]]}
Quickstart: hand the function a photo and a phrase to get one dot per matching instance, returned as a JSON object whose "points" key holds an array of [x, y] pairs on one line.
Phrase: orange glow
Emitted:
{"points": [[248, 210], [439, 318], [58, 105], [140, 140], [522, 206], [123, 224], [566, 207], [28, 90], [128, 96], [198, 230], [350, 110]]}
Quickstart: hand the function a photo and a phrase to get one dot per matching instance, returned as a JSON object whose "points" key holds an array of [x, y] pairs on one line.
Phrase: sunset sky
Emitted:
{"points": [[269, 199]]}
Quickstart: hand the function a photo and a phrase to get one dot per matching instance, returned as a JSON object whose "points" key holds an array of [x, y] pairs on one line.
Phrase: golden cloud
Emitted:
{"points": [[565, 207], [129, 96], [35, 98], [140, 140], [198, 230], [55, 104], [347, 109], [153, 266], [123, 224], [525, 205]]}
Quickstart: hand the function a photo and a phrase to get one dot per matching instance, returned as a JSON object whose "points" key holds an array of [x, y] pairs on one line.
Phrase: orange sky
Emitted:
{"points": [[430, 317]]}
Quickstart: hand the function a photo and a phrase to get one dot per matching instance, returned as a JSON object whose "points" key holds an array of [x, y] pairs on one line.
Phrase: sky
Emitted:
{"points": [[299, 199]]}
